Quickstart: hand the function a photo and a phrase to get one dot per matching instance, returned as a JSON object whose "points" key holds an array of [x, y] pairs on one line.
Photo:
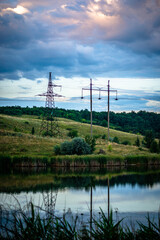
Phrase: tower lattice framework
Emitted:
{"points": [[49, 200], [49, 125]]}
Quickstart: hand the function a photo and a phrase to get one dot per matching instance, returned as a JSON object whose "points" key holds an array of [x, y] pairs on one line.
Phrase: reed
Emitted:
{"points": [[30, 224]]}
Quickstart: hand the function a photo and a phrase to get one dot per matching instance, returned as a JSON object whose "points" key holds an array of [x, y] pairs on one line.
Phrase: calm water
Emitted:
{"points": [[132, 192]]}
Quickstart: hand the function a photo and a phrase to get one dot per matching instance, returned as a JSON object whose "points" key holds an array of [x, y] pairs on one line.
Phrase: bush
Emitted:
{"points": [[33, 131], [116, 140], [91, 141], [80, 146], [5, 161], [109, 148], [72, 133], [126, 142], [57, 150], [66, 148], [76, 146], [104, 136], [154, 147], [137, 142]]}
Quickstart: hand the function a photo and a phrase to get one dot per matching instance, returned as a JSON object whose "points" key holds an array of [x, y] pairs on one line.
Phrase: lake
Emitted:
{"points": [[131, 192]]}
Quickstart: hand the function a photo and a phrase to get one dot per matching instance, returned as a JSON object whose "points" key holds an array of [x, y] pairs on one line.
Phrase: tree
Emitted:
{"points": [[33, 131], [104, 123], [137, 142], [154, 147], [148, 138]]}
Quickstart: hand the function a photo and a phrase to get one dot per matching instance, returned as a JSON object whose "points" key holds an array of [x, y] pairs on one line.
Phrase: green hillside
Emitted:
{"points": [[16, 138]]}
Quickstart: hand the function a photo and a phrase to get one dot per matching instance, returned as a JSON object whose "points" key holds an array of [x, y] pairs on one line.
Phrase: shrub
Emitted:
{"points": [[109, 148], [126, 142], [104, 136], [154, 147], [66, 148], [80, 146], [47, 134], [33, 131], [72, 133], [110, 139], [76, 146], [116, 140], [137, 142], [91, 141], [57, 150], [5, 161], [101, 151]]}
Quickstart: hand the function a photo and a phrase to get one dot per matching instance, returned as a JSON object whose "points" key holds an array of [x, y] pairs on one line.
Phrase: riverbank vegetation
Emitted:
{"points": [[29, 224]]}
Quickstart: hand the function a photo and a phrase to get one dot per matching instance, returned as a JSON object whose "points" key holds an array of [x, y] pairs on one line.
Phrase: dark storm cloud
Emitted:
{"points": [[80, 38]]}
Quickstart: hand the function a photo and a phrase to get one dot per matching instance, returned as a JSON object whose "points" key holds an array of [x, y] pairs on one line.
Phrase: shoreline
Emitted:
{"points": [[78, 161]]}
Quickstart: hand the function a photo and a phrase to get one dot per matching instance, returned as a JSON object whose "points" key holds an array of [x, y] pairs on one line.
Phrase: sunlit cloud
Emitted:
{"points": [[99, 39], [19, 10]]}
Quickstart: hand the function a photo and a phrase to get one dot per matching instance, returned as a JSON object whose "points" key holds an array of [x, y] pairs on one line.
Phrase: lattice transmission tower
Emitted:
{"points": [[49, 200], [49, 125]]}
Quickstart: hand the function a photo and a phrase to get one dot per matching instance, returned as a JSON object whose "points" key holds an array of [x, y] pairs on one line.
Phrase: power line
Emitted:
{"points": [[99, 89]]}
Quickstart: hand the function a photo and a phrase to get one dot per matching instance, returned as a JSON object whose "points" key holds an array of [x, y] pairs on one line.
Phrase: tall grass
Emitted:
{"points": [[7, 161], [30, 225]]}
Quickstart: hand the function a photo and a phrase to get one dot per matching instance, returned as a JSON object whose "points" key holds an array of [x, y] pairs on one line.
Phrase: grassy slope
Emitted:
{"points": [[23, 143]]}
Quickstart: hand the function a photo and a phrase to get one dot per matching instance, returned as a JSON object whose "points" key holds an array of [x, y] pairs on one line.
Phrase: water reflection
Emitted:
{"points": [[131, 192]]}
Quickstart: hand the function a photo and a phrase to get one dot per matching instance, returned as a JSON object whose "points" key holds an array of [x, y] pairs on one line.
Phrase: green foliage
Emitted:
{"points": [[104, 136], [91, 141], [76, 146], [148, 138], [137, 142], [33, 131], [106, 228], [5, 161], [154, 148], [80, 146], [72, 133], [104, 123], [15, 129], [126, 142], [116, 140], [30, 224], [109, 148], [66, 148], [150, 231], [47, 134], [128, 122], [57, 150]]}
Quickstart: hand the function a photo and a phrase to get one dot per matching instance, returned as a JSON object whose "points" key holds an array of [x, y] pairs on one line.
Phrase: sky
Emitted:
{"points": [[116, 40]]}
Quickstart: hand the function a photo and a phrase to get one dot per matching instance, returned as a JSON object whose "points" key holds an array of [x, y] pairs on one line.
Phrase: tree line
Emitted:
{"points": [[133, 122]]}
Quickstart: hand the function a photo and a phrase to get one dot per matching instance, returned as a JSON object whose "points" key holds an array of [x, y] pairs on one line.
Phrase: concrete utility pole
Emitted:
{"points": [[108, 90], [90, 89], [91, 103], [108, 199]]}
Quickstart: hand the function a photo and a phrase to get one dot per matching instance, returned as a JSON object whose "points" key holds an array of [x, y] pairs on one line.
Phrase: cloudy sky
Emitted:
{"points": [[77, 40]]}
